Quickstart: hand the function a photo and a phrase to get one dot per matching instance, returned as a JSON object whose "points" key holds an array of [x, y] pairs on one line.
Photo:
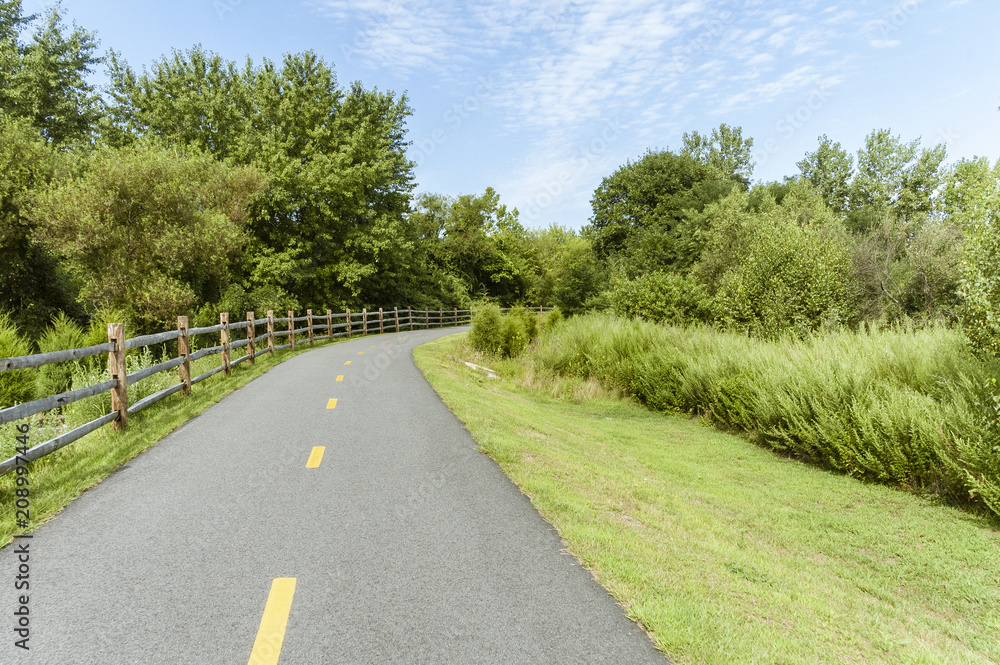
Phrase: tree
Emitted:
{"points": [[829, 170], [480, 241], [772, 268], [33, 284], [333, 227], [650, 197], [46, 79], [894, 176], [149, 231], [725, 149]]}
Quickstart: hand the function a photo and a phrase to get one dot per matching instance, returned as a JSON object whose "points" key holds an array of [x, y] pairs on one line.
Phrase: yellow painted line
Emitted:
{"points": [[332, 404], [348, 362], [372, 346], [271, 634], [315, 457], [360, 352], [340, 377]]}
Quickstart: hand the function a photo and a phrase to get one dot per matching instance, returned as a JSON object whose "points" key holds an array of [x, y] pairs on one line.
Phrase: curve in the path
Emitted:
{"points": [[303, 530]]}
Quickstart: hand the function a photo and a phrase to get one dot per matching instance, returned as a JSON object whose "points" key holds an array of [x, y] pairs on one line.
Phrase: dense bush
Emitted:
{"points": [[662, 298], [912, 409], [63, 334], [17, 386], [486, 335], [504, 336]]}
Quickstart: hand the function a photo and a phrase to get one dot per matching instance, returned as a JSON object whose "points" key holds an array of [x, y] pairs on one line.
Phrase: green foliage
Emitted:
{"points": [[477, 239], [34, 286], [515, 336], [650, 196], [16, 386], [662, 298], [829, 170], [980, 286], [900, 407], [773, 268], [63, 334], [725, 150], [487, 332], [148, 231]]}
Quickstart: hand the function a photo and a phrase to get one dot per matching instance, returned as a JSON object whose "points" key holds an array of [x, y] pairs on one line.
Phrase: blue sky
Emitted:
{"points": [[540, 99]]}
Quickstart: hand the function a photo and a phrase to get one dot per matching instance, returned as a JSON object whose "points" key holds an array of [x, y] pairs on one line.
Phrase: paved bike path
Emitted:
{"points": [[407, 545]]}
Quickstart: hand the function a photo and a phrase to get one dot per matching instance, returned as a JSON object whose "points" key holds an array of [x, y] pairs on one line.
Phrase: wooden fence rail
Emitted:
{"points": [[385, 320]]}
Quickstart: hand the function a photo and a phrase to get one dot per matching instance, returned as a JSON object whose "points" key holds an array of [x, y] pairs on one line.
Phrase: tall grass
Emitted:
{"points": [[909, 408]]}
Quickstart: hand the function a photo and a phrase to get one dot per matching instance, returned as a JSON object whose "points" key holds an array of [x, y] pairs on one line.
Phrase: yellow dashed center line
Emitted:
{"points": [[372, 346], [315, 457], [360, 352], [340, 377], [348, 362], [332, 403], [271, 634]]}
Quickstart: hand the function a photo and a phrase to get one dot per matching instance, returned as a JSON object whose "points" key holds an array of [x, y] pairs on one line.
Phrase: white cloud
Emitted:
{"points": [[885, 43]]}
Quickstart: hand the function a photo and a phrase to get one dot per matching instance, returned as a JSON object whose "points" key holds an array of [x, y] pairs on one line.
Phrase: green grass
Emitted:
{"points": [[723, 551], [58, 478]]}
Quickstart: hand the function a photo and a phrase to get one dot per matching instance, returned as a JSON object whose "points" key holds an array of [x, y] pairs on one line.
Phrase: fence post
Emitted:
{"points": [[348, 322], [329, 324], [440, 318], [224, 336], [395, 323], [309, 313], [380, 328], [364, 320], [118, 369], [251, 342], [270, 332], [427, 318], [409, 315], [291, 328], [184, 351], [456, 316]]}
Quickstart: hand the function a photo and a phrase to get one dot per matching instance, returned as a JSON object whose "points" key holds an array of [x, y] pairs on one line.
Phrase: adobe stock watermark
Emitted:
{"points": [[453, 118], [584, 158], [897, 17], [792, 122], [364, 38], [225, 7]]}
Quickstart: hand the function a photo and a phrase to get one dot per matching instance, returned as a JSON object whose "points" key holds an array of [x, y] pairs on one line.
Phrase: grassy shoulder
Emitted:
{"points": [[62, 476], [726, 552]]}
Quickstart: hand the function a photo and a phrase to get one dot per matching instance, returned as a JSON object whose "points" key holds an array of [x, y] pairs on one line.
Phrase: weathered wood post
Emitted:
{"points": [[409, 315], [380, 329], [329, 324], [224, 337], [251, 342], [456, 316], [364, 320], [427, 318], [309, 321], [291, 328], [348, 322], [395, 314], [440, 318], [270, 332], [184, 351], [118, 369]]}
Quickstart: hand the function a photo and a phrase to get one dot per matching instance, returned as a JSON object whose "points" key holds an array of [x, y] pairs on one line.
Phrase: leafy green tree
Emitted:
{"points": [[645, 202], [772, 268], [480, 241], [333, 228], [566, 271], [980, 285], [18, 386], [971, 190], [725, 149], [33, 285], [829, 170], [45, 80], [663, 298], [149, 231], [893, 176]]}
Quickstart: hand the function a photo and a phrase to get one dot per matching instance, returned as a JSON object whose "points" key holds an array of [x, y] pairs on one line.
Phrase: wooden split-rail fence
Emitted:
{"points": [[277, 330]]}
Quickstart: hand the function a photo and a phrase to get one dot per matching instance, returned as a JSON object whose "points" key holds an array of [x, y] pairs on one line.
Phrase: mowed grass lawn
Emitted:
{"points": [[726, 553]]}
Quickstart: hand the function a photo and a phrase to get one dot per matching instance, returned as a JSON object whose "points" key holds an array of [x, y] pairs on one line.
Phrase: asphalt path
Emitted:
{"points": [[404, 544]]}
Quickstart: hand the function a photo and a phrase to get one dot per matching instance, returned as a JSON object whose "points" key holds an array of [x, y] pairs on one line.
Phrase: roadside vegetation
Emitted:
{"points": [[723, 551]]}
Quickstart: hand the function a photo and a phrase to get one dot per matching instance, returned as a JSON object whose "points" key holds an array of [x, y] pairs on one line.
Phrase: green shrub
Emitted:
{"points": [[662, 298], [515, 336], [910, 408], [552, 318], [17, 386], [63, 334], [486, 335]]}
